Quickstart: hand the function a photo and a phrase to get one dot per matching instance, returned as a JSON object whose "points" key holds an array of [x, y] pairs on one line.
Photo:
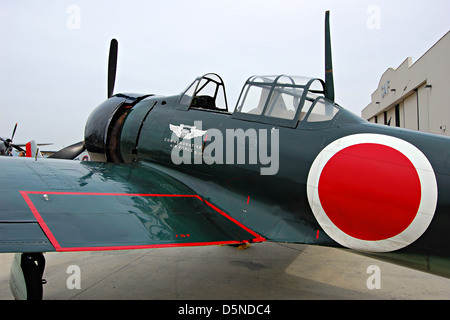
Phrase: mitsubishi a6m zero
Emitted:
{"points": [[287, 165]]}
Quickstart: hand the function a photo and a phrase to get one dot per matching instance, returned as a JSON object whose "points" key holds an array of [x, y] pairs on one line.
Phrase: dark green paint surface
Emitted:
{"points": [[94, 206]]}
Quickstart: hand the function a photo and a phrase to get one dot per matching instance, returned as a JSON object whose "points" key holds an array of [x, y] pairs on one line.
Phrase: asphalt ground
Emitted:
{"points": [[265, 271]]}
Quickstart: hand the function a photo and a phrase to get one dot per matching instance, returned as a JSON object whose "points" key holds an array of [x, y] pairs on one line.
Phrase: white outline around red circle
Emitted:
{"points": [[427, 205]]}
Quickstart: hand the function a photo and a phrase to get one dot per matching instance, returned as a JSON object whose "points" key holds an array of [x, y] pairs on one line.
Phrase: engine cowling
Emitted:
{"points": [[103, 127]]}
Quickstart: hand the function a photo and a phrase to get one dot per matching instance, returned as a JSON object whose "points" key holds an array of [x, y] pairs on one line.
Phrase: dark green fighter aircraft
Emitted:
{"points": [[287, 165]]}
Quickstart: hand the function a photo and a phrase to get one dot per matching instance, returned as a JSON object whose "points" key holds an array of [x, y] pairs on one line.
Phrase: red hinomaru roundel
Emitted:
{"points": [[372, 192]]}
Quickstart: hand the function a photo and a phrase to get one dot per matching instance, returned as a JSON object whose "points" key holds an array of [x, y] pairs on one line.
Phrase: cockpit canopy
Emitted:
{"points": [[206, 92], [286, 98], [280, 100]]}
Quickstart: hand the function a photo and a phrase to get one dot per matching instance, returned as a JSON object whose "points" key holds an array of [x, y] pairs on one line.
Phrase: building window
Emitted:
{"points": [[397, 115]]}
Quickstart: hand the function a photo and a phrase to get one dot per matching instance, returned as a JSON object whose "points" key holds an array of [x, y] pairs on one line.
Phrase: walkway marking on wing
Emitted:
{"points": [[58, 247]]}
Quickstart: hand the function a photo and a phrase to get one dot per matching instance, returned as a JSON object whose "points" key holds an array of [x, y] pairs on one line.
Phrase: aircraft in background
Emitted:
{"points": [[287, 165], [7, 145], [8, 148]]}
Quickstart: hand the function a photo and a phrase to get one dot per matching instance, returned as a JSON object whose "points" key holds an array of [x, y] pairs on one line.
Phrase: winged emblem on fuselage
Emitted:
{"points": [[186, 132]]}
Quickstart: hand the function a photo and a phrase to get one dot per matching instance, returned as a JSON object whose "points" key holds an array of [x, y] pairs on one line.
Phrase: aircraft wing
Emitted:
{"points": [[61, 205]]}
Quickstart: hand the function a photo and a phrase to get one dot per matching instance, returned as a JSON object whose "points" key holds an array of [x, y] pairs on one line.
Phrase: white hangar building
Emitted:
{"points": [[416, 95]]}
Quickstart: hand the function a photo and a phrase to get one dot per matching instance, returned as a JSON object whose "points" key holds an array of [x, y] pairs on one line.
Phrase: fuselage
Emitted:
{"points": [[258, 168]]}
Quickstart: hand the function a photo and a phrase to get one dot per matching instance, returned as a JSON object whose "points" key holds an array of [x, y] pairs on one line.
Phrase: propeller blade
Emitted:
{"points": [[70, 152], [17, 147], [8, 142], [14, 132], [112, 66], [329, 82]]}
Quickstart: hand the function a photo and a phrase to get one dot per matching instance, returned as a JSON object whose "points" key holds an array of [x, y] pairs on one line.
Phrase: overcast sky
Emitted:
{"points": [[53, 57]]}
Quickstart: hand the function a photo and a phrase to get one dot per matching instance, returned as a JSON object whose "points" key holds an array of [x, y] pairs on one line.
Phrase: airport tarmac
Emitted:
{"points": [[265, 271]]}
